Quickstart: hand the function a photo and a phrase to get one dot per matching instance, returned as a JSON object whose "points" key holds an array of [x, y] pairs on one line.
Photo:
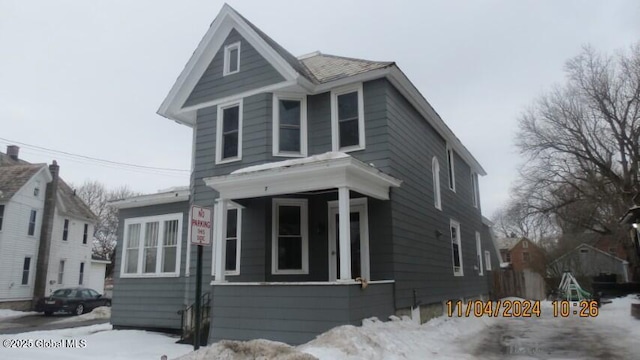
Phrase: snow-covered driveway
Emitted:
{"points": [[611, 335]]}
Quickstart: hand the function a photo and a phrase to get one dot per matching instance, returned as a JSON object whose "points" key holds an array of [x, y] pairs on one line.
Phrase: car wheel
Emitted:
{"points": [[48, 313], [79, 309]]}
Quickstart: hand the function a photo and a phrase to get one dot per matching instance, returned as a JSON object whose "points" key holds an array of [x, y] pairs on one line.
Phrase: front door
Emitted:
{"points": [[359, 229]]}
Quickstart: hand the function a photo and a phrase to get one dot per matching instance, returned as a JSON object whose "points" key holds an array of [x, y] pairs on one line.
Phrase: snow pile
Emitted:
{"points": [[248, 350], [6, 314], [102, 312], [287, 163], [397, 339]]}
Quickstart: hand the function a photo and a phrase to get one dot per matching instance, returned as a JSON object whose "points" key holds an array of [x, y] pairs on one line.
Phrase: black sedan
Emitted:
{"points": [[72, 300]]}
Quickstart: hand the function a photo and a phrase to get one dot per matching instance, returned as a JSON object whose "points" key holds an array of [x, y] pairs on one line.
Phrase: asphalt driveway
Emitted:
{"points": [[40, 322]]}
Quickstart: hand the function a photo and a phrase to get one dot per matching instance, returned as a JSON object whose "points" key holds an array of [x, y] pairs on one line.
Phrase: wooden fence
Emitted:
{"points": [[524, 284]]}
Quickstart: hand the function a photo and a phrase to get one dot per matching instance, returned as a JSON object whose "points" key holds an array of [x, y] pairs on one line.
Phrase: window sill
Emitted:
{"points": [[290, 272], [142, 276], [229, 160], [458, 274], [224, 73], [289, 155], [351, 148]]}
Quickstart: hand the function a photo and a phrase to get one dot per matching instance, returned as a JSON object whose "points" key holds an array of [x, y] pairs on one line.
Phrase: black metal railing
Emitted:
{"points": [[188, 320]]}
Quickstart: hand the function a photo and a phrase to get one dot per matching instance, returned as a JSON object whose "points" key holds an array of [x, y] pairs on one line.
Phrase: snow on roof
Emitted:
{"points": [[293, 162]]}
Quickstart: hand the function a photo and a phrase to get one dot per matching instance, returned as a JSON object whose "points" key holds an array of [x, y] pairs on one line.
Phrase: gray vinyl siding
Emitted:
{"points": [[293, 314], [149, 302], [422, 259], [255, 72]]}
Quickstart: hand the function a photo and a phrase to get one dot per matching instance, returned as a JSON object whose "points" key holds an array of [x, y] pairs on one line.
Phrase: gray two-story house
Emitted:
{"points": [[338, 193]]}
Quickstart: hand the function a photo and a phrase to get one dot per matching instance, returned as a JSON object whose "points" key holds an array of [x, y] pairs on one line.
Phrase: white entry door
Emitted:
{"points": [[359, 229]]}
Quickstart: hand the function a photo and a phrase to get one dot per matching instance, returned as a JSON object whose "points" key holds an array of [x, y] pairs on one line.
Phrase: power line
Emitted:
{"points": [[106, 162]]}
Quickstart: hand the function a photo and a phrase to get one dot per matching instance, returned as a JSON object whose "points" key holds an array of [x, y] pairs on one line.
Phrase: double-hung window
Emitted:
{"points": [[474, 190], [32, 223], [81, 275], [347, 119], [85, 233], [61, 272], [456, 248], [435, 169], [289, 125], [487, 260], [290, 241], [65, 230], [229, 132], [231, 59], [152, 246], [26, 267], [451, 169], [234, 224], [479, 254], [1, 215]]}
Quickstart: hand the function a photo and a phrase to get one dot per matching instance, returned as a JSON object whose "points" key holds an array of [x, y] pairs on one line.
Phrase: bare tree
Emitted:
{"points": [[581, 142], [97, 197]]}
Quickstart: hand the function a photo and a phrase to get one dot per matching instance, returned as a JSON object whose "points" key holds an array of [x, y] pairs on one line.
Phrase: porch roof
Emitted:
{"points": [[318, 172]]}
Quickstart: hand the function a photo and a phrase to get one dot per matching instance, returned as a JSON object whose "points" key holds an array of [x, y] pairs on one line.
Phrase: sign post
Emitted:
{"points": [[201, 225]]}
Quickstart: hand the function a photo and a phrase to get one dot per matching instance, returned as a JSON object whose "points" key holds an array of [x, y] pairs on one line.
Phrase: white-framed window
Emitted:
{"points": [[81, 275], [233, 238], [347, 118], [61, 272], [525, 244], [65, 230], [85, 233], [32, 223], [229, 132], [152, 246], [435, 169], [487, 260], [456, 248], [451, 169], [479, 254], [290, 237], [36, 189], [1, 215], [289, 125], [231, 59], [474, 190], [26, 267]]}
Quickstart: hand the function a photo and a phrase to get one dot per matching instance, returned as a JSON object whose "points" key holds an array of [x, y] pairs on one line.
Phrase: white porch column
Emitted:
{"points": [[344, 211], [220, 214]]}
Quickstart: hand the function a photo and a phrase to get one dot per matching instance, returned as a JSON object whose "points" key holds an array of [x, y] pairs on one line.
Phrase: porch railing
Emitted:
{"points": [[188, 320]]}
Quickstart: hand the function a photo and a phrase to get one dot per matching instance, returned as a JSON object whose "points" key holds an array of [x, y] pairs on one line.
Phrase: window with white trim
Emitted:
{"points": [[32, 223], [61, 272], [1, 215], [347, 119], [231, 59], [229, 132], [456, 248], [85, 233], [65, 230], [290, 238], [81, 275], [26, 267], [474, 190], [487, 260], [435, 169], [289, 125], [233, 238], [525, 244], [479, 254], [152, 246], [451, 169]]}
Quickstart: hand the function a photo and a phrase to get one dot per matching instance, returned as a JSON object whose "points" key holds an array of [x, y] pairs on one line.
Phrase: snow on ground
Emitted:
{"points": [[100, 343], [6, 314], [102, 312]]}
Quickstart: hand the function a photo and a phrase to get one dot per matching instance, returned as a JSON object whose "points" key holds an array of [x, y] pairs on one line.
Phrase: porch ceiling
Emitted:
{"points": [[318, 172]]}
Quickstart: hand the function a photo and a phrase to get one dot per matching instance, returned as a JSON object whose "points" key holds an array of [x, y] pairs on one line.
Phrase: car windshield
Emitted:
{"points": [[64, 293]]}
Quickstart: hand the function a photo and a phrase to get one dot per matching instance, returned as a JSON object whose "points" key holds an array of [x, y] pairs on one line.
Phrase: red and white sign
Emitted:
{"points": [[201, 225]]}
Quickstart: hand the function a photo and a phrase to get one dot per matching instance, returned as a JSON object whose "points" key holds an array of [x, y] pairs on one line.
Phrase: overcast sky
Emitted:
{"points": [[86, 77]]}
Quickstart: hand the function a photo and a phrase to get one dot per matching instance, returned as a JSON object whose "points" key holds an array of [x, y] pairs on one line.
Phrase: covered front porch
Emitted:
{"points": [[291, 281]]}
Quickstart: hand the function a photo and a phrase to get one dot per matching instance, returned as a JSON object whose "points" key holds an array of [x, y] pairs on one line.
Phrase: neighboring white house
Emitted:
{"points": [[46, 232]]}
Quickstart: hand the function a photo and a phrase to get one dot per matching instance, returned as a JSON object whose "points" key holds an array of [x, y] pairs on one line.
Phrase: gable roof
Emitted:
{"points": [[588, 247], [14, 177], [70, 204], [314, 74]]}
